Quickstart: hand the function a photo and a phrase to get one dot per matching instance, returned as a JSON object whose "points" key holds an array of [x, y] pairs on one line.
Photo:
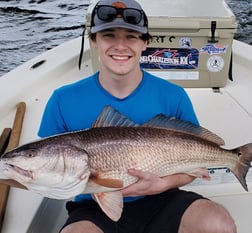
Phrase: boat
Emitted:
{"points": [[225, 110]]}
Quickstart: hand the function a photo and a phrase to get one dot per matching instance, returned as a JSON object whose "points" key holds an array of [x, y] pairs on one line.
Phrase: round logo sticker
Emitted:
{"points": [[215, 63]]}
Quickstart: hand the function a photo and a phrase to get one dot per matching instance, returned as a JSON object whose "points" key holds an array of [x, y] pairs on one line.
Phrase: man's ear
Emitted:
{"points": [[145, 46]]}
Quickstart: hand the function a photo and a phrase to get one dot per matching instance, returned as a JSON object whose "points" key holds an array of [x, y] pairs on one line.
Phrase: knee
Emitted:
{"points": [[208, 217], [81, 227], [220, 219], [222, 223]]}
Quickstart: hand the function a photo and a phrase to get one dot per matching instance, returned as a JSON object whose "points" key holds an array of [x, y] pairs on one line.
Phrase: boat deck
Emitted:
{"points": [[227, 112]]}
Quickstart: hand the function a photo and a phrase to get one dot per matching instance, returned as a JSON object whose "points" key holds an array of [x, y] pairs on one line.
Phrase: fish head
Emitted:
{"points": [[48, 166], [30, 163]]}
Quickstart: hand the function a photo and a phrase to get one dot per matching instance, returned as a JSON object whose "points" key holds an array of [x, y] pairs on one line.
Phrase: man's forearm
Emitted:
{"points": [[178, 180]]}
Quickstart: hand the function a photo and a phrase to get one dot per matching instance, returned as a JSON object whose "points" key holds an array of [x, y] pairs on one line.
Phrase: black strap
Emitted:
{"points": [[82, 46]]}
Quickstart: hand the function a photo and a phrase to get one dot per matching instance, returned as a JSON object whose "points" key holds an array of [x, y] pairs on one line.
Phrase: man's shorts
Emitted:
{"points": [[159, 213]]}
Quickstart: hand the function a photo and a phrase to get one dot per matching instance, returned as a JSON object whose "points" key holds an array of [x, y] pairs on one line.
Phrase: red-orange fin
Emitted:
{"points": [[107, 182], [111, 204]]}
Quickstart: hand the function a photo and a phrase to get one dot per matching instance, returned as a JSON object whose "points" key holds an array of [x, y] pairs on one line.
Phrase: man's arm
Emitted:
{"points": [[149, 184]]}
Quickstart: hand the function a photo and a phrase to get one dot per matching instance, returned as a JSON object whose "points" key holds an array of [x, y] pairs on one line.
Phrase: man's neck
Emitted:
{"points": [[120, 86]]}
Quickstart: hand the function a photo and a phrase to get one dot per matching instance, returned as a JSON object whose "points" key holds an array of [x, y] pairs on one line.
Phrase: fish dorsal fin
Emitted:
{"points": [[111, 117], [172, 123]]}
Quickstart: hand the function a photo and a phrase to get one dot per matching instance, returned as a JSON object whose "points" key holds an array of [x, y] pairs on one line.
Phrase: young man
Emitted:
{"points": [[119, 32]]}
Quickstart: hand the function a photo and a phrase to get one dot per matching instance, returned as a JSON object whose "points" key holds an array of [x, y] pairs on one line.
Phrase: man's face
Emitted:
{"points": [[119, 50]]}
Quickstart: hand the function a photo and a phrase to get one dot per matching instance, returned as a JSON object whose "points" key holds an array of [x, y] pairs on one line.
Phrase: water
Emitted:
{"points": [[243, 12], [30, 27]]}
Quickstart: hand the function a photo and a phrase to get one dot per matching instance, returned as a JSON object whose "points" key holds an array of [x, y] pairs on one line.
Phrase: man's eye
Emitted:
{"points": [[132, 37], [110, 35]]}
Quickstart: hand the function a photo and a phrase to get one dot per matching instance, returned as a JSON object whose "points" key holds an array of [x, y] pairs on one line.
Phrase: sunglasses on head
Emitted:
{"points": [[129, 15]]}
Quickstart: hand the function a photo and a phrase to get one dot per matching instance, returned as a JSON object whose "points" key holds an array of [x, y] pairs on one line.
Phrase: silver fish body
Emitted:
{"points": [[97, 160], [155, 150]]}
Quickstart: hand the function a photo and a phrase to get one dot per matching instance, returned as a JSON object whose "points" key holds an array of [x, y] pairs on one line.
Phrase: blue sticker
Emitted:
{"points": [[214, 49], [169, 58], [185, 42]]}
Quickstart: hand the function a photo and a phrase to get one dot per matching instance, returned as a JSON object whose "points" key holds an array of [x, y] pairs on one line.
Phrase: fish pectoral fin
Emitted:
{"points": [[107, 182], [200, 173], [111, 204]]}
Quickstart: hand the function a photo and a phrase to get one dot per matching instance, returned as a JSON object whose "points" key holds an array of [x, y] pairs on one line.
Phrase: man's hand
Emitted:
{"points": [[149, 183]]}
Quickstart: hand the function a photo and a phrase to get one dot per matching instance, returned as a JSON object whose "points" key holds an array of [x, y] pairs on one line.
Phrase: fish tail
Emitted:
{"points": [[244, 163]]}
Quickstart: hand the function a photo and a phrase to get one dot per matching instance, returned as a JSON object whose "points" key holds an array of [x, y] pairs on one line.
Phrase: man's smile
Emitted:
{"points": [[121, 58]]}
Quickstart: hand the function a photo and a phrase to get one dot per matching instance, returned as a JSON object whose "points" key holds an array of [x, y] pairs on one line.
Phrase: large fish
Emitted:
{"points": [[97, 160]]}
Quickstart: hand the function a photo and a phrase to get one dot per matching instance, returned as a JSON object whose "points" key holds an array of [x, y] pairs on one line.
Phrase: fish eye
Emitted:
{"points": [[29, 155]]}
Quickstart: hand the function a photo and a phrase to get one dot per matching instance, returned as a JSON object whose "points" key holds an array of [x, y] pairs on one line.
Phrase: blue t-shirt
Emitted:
{"points": [[76, 106]]}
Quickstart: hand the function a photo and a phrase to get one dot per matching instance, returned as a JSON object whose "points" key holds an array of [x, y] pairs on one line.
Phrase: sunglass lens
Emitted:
{"points": [[106, 13], [132, 16]]}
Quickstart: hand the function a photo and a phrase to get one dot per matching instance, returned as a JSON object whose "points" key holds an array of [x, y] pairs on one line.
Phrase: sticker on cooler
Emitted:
{"points": [[215, 63], [212, 49], [185, 42], [169, 58]]}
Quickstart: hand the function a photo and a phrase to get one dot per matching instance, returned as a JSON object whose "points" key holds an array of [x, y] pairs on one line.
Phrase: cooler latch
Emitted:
{"points": [[213, 29]]}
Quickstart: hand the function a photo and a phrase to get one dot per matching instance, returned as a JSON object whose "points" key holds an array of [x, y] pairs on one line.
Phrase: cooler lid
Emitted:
{"points": [[194, 14], [183, 14]]}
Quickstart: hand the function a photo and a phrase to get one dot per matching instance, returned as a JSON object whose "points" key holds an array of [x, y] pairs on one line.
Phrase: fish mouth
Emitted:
{"points": [[19, 170]]}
